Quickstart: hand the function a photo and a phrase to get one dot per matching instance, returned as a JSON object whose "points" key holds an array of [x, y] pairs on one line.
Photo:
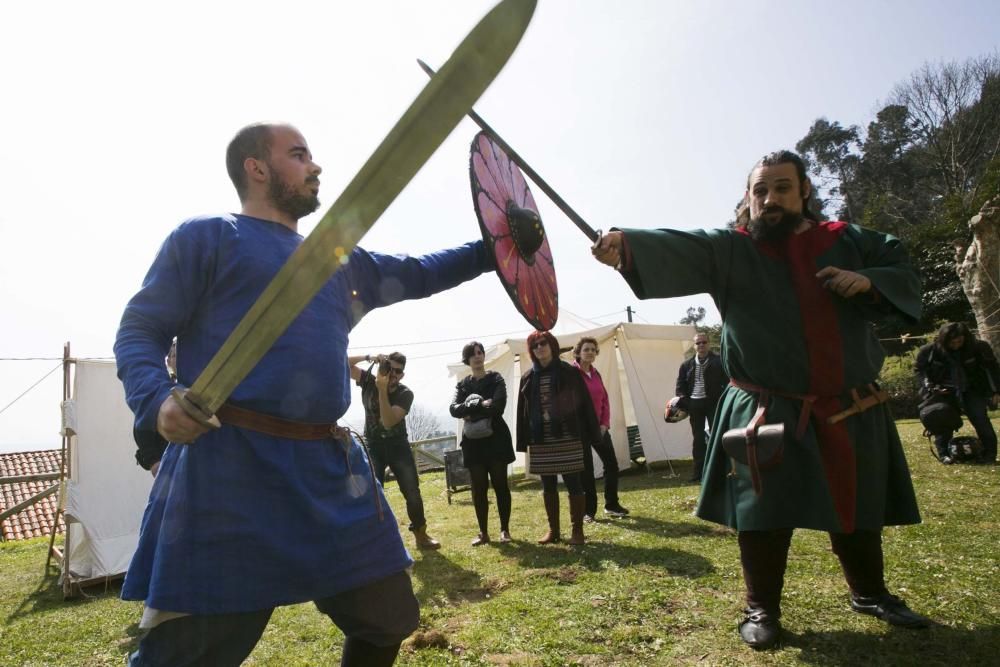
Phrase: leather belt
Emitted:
{"points": [[804, 412], [281, 428]]}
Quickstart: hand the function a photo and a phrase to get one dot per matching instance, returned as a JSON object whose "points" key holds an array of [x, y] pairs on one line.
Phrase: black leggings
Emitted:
{"points": [[482, 476]]}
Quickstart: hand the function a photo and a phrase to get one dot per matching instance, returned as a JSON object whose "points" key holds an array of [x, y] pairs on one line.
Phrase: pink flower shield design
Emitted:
{"points": [[530, 280]]}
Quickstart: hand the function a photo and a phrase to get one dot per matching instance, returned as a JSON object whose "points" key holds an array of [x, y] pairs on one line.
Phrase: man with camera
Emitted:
{"points": [[387, 402], [803, 438]]}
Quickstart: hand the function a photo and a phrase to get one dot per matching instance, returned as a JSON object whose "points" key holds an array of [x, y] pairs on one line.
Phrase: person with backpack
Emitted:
{"points": [[960, 369]]}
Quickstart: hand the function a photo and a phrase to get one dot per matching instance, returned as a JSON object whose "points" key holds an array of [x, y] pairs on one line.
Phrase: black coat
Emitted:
{"points": [[978, 361], [576, 408], [715, 378], [493, 387]]}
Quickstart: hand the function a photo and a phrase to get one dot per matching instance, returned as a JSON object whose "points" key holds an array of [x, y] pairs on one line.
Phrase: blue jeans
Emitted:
{"points": [[976, 406], [398, 457]]}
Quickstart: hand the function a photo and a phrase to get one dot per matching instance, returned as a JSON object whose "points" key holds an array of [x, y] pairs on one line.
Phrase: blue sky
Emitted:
{"points": [[641, 114]]}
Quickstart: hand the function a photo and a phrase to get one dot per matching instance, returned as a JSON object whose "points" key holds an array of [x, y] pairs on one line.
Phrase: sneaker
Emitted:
{"points": [[618, 511], [947, 460], [588, 518]]}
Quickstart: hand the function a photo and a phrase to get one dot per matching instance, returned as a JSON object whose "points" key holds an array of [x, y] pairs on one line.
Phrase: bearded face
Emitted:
{"points": [[290, 201], [775, 224]]}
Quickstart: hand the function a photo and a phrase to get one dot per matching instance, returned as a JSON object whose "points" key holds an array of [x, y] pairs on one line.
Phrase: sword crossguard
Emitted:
{"points": [[189, 402]]}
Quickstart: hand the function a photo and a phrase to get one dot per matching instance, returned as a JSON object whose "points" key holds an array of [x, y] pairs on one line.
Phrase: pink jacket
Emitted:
{"points": [[598, 395]]}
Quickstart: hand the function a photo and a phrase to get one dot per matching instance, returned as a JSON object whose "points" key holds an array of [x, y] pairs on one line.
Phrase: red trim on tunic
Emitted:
{"points": [[821, 330]]}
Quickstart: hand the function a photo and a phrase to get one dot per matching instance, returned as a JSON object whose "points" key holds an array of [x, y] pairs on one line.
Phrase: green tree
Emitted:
{"points": [[694, 316]]}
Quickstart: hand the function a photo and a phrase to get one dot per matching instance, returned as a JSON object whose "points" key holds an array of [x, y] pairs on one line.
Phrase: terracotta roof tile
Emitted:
{"points": [[36, 520]]}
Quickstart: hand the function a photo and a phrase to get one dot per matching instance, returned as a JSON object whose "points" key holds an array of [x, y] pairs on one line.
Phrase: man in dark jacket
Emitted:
{"points": [[959, 366], [700, 382]]}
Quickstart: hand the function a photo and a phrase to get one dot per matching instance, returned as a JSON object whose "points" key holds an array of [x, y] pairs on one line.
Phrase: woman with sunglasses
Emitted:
{"points": [[556, 424], [480, 400]]}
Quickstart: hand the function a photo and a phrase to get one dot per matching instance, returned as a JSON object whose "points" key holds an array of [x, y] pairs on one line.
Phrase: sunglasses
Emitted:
{"points": [[395, 371], [541, 343]]}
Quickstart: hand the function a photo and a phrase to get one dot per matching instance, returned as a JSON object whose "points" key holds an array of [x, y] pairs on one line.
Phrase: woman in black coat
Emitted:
{"points": [[556, 425], [482, 397]]}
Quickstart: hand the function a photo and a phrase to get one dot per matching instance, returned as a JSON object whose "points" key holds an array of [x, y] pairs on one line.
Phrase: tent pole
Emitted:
{"points": [[64, 472]]}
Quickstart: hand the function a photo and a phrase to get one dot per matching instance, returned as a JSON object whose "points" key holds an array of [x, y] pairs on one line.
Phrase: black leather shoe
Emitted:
{"points": [[890, 609], [760, 629]]}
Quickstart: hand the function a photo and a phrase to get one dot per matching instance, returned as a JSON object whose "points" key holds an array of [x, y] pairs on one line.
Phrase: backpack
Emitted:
{"points": [[939, 415], [964, 448]]}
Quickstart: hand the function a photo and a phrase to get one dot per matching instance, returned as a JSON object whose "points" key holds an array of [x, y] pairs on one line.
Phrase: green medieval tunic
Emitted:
{"points": [[784, 331]]}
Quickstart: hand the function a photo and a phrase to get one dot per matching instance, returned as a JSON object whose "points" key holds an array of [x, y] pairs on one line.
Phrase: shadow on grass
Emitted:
{"points": [[442, 579], [595, 557], [938, 645], [636, 521], [49, 595]]}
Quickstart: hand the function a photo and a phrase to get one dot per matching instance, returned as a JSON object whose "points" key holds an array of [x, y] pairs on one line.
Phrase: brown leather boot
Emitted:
{"points": [[552, 512], [576, 510], [425, 541]]}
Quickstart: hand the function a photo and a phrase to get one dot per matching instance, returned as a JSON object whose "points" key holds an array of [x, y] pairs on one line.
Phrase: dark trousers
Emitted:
{"points": [[606, 451], [481, 476], [700, 411], [375, 619], [398, 457], [764, 556], [975, 408], [574, 485]]}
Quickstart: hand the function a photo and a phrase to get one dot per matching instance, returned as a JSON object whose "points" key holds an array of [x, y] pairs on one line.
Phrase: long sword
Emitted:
{"points": [[425, 125], [591, 233]]}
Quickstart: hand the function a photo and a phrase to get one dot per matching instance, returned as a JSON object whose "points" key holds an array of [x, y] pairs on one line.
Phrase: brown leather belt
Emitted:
{"points": [[876, 396], [281, 428]]}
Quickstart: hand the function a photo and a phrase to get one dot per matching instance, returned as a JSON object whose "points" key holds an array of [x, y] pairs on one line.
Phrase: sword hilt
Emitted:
{"points": [[189, 402]]}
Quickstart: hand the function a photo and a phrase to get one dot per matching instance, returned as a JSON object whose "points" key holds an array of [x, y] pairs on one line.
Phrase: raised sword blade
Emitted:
{"points": [[425, 125]]}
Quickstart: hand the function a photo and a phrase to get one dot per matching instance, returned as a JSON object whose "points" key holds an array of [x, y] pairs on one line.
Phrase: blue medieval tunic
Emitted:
{"points": [[783, 331], [240, 520]]}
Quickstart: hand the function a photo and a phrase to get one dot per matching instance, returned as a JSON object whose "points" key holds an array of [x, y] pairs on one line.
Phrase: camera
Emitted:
{"points": [[383, 368]]}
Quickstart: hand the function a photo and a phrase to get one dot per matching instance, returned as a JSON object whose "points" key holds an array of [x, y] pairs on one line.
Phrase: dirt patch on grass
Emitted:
{"points": [[422, 639]]}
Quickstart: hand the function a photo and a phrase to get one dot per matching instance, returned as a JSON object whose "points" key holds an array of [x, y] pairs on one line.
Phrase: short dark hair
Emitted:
{"points": [[950, 331], [770, 160], [470, 349], [535, 336], [252, 141], [580, 343], [398, 357]]}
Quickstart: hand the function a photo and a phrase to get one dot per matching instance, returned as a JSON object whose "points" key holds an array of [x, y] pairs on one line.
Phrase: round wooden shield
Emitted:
{"points": [[513, 232]]}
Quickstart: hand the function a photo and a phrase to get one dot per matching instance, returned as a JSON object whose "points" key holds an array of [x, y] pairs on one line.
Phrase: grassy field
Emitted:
{"points": [[658, 588]]}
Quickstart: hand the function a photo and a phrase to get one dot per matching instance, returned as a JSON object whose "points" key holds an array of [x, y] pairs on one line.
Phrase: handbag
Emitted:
{"points": [[477, 429]]}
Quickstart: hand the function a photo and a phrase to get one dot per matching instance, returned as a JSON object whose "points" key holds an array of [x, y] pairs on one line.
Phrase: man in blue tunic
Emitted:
{"points": [[276, 507]]}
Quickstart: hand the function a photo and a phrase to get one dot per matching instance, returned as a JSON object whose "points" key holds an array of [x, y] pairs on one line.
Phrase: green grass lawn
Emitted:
{"points": [[658, 588]]}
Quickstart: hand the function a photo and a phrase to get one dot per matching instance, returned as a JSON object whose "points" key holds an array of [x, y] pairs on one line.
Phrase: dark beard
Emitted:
{"points": [[760, 230], [285, 200]]}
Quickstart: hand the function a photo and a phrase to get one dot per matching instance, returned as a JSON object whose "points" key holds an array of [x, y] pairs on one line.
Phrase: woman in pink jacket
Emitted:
{"points": [[585, 353]]}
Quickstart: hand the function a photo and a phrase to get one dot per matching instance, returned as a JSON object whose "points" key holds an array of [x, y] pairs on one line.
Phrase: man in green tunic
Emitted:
{"points": [[796, 296]]}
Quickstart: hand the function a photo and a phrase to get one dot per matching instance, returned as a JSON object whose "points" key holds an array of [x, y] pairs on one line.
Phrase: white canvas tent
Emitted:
{"points": [[639, 365], [105, 492]]}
